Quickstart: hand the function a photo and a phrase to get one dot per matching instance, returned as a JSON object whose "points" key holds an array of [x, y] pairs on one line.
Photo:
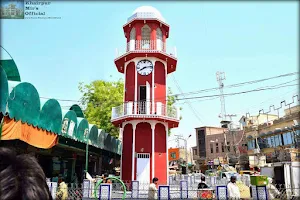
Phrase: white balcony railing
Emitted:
{"points": [[146, 46], [145, 109]]}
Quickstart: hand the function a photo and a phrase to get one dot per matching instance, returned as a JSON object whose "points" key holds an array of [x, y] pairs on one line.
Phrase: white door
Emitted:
{"points": [[143, 168], [148, 103]]}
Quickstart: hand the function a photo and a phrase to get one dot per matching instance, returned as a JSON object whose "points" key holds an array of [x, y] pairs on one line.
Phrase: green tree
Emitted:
{"points": [[100, 96]]}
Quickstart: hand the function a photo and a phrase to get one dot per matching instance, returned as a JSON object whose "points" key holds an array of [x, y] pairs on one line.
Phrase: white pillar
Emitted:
{"points": [[135, 89], [153, 84], [167, 153], [121, 143], [133, 150], [153, 147]]}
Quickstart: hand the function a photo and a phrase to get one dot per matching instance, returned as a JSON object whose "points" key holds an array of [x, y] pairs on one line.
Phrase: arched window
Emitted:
{"points": [[159, 42], [146, 32], [131, 46], [132, 34]]}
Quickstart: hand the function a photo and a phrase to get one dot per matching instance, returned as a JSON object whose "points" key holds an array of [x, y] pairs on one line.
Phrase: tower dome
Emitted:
{"points": [[146, 12]]}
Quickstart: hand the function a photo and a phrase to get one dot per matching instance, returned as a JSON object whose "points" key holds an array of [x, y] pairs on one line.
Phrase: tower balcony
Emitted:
{"points": [[146, 48], [150, 46], [145, 110]]}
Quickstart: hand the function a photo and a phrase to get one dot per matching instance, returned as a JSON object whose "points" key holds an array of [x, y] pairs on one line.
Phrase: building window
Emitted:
{"points": [[159, 42], [287, 138], [211, 148], [217, 147], [251, 144], [222, 146], [195, 151], [146, 32], [228, 146], [277, 139], [132, 34], [173, 155]]}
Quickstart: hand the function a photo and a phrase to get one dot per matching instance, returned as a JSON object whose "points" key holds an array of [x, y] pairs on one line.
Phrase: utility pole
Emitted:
{"points": [[220, 77], [231, 131]]}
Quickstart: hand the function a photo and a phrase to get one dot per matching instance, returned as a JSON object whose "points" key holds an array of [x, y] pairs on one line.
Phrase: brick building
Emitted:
{"points": [[216, 146]]}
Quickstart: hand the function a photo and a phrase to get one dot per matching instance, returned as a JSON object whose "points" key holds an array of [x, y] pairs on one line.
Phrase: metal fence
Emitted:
{"points": [[179, 187], [186, 191]]}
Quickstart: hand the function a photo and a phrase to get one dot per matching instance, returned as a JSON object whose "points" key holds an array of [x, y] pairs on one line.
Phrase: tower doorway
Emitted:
{"points": [[144, 99], [143, 167]]}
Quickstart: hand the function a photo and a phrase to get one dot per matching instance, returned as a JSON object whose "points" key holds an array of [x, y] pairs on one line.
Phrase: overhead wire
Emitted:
{"points": [[236, 93], [204, 90], [190, 106]]}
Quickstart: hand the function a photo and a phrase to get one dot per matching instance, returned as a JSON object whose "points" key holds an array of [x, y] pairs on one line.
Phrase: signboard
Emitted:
{"points": [[71, 128], [65, 125]]}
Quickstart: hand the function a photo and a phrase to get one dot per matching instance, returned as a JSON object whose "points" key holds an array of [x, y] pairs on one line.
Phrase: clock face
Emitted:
{"points": [[144, 67]]}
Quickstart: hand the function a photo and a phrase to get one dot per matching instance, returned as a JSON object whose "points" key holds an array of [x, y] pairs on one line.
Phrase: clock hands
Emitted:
{"points": [[143, 68]]}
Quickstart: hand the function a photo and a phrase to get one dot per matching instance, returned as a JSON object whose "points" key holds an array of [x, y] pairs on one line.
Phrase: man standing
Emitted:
{"points": [[233, 189], [202, 184], [152, 193]]}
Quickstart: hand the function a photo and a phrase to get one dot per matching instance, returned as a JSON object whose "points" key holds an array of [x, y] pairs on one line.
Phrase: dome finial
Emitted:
{"points": [[146, 12]]}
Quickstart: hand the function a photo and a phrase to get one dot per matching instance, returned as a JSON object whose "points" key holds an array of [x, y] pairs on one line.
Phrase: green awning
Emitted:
{"points": [[119, 147], [10, 69], [50, 116], [114, 145], [77, 110], [69, 124], [93, 134], [82, 129], [101, 138], [107, 141], [24, 102], [3, 90]]}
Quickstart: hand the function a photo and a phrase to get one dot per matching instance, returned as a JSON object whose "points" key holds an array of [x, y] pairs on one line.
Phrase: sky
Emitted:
{"points": [[246, 40]]}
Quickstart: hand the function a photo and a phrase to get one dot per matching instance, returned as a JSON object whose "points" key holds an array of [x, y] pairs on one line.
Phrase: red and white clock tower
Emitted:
{"points": [[144, 117]]}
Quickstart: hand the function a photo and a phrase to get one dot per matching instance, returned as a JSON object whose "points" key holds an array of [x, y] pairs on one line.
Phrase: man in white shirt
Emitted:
{"points": [[152, 193], [232, 189]]}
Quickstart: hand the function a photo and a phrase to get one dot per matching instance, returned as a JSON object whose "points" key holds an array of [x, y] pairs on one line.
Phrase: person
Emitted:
{"points": [[152, 193], [272, 190], [105, 178], [202, 184], [232, 189], [21, 177], [74, 178], [62, 191]]}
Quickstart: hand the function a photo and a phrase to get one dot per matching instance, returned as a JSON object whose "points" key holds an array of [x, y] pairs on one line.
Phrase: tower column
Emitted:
{"points": [[135, 89], [153, 87], [133, 150], [167, 153], [153, 146]]}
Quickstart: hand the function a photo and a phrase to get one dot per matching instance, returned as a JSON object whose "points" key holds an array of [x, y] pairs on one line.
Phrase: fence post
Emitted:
{"points": [[259, 192], [134, 189], [212, 180], [171, 178], [184, 189], [105, 191], [53, 189], [86, 188], [221, 193], [164, 192]]}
